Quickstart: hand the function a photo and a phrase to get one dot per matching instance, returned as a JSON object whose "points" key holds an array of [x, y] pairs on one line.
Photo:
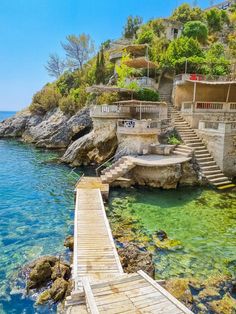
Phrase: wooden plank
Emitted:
{"points": [[165, 293], [89, 296]]}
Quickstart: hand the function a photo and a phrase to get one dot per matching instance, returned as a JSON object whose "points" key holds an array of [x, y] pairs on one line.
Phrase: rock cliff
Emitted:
{"points": [[52, 130]]}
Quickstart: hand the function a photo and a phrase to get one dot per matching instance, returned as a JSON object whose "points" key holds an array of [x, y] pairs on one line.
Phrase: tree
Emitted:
{"points": [[197, 30], [181, 50], [100, 68], [78, 50], [145, 35], [184, 13], [214, 21], [131, 27], [55, 66]]}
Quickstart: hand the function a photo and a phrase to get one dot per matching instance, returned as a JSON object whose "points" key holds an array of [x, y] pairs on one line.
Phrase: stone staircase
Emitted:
{"points": [[117, 170], [183, 150], [210, 170]]}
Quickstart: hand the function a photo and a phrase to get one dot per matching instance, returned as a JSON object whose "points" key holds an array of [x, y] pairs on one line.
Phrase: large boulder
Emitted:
{"points": [[16, 125], [40, 274], [58, 289], [97, 146], [134, 259]]}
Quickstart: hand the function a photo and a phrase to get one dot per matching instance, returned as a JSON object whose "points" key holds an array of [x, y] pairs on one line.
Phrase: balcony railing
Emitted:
{"points": [[143, 81], [138, 127], [206, 106], [220, 127], [206, 78], [110, 111]]}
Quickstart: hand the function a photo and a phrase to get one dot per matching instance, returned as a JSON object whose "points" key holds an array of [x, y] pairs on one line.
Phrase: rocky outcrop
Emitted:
{"points": [[57, 130], [16, 125], [166, 177], [97, 146], [51, 275], [52, 130], [213, 295], [134, 259]]}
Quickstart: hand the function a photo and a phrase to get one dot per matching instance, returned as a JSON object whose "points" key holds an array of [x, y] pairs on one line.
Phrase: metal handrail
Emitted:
{"points": [[110, 159]]}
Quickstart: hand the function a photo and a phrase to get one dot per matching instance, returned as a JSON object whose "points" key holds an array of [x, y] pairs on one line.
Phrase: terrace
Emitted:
{"points": [[138, 127], [131, 109]]}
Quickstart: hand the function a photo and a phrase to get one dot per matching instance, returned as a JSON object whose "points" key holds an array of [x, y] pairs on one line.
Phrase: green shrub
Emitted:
{"points": [[45, 100], [148, 95], [197, 30], [107, 98], [68, 104], [173, 140], [74, 101]]}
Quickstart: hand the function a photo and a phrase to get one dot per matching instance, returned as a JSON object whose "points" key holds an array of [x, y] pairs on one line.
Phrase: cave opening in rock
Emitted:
{"points": [[81, 133]]}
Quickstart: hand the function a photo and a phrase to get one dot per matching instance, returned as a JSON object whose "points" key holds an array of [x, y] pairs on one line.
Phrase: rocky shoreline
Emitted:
{"points": [[84, 142]]}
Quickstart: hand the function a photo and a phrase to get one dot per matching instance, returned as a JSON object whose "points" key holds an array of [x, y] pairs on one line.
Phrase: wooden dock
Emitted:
{"points": [[95, 254], [100, 286]]}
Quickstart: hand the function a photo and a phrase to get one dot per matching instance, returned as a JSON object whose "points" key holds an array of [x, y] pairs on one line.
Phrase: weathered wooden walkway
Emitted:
{"points": [[100, 284]]}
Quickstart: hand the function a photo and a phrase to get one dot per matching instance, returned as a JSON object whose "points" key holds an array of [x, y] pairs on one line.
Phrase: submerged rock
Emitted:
{"points": [[162, 235], [49, 272], [69, 242], [134, 259], [40, 274]]}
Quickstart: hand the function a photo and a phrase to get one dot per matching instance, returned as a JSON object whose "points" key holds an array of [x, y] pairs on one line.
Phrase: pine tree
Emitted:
{"points": [[102, 67], [97, 74]]}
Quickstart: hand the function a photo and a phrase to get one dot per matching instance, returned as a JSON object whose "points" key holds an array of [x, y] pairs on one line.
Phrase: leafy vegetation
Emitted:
{"points": [[173, 140], [131, 27], [207, 45], [147, 94], [45, 100], [197, 30]]}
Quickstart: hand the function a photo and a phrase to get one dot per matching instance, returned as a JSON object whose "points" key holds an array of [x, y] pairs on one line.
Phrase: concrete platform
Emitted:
{"points": [[158, 160]]}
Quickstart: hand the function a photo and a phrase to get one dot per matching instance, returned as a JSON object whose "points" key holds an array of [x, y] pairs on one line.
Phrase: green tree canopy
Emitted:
{"points": [[180, 50], [214, 21], [197, 30], [184, 13], [131, 27]]}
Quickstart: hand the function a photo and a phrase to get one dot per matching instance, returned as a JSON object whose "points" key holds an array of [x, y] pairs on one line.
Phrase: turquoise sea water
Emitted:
{"points": [[36, 214]]}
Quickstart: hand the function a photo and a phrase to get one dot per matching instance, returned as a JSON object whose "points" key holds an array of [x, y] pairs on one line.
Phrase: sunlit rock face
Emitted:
{"points": [[95, 147], [167, 177], [52, 130]]}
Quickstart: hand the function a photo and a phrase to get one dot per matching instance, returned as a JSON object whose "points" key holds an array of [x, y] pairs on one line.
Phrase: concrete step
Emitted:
{"points": [[183, 150], [196, 141], [209, 168], [207, 163], [212, 172], [202, 153], [202, 159], [184, 147], [181, 153], [196, 145], [214, 176], [220, 179], [226, 182]]}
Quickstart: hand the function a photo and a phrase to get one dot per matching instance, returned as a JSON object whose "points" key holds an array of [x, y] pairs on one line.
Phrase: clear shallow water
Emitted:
{"points": [[204, 221], [36, 212]]}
